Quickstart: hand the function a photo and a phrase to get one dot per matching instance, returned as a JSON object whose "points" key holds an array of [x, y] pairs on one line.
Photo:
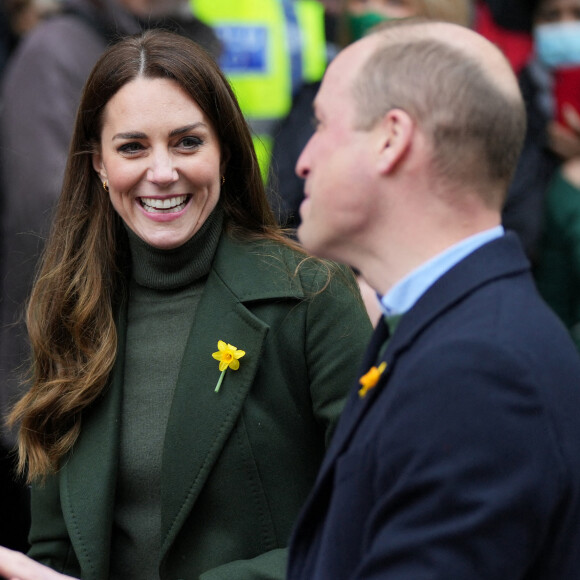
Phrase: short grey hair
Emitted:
{"points": [[476, 129]]}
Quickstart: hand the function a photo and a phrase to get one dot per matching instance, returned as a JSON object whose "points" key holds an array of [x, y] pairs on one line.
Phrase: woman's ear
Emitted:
{"points": [[98, 165], [396, 133]]}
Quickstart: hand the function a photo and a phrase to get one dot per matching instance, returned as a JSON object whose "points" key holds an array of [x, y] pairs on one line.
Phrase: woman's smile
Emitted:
{"points": [[164, 206]]}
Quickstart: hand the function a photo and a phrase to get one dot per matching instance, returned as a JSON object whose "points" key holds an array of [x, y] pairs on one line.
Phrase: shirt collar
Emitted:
{"points": [[405, 293]]}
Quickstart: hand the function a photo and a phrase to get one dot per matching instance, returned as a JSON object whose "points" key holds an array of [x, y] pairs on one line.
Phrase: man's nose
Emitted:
{"points": [[302, 167]]}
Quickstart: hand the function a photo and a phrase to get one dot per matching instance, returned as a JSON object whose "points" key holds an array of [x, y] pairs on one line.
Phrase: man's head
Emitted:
{"points": [[414, 106], [459, 90]]}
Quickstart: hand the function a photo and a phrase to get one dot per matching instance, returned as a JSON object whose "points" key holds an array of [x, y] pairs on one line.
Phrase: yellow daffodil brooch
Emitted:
{"points": [[229, 356], [370, 379]]}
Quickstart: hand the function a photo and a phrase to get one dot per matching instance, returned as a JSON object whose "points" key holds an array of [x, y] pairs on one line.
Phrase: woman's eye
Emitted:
{"points": [[190, 142], [129, 148]]}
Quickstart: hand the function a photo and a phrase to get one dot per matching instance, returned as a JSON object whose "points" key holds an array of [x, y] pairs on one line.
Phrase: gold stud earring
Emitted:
{"points": [[223, 179], [106, 186]]}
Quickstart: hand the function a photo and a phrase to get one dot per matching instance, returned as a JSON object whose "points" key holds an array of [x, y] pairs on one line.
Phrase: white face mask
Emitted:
{"points": [[557, 44]]}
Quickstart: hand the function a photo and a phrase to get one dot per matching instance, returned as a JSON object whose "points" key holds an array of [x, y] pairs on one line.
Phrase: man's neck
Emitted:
{"points": [[390, 259]]}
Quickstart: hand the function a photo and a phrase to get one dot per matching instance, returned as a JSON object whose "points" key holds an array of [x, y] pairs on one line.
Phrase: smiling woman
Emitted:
{"points": [[146, 458]]}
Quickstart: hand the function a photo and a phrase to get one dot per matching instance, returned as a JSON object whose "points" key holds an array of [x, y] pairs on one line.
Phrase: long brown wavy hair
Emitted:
{"points": [[70, 316]]}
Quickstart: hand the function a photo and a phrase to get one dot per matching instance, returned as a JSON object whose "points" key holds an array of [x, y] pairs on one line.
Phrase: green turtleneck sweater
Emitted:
{"points": [[165, 289]]}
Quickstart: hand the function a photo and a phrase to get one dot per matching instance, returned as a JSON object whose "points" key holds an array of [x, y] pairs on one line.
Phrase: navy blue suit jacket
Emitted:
{"points": [[464, 461]]}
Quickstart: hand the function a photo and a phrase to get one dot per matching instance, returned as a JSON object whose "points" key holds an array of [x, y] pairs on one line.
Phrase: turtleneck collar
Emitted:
{"points": [[179, 267]]}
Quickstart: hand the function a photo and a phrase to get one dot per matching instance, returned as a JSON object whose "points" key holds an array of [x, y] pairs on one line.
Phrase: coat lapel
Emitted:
{"points": [[357, 406], [201, 420], [497, 259]]}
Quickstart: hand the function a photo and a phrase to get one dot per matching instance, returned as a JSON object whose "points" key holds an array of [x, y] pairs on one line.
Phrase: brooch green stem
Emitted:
{"points": [[219, 383]]}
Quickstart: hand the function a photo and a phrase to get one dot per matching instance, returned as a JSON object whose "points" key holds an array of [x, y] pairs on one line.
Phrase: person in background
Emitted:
{"points": [[547, 142], [9, 32], [39, 95], [270, 48], [557, 34], [7, 37], [456, 455], [17, 19], [506, 23], [524, 209], [189, 361]]}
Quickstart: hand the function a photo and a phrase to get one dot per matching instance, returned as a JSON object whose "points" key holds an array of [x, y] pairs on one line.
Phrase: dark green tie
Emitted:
{"points": [[392, 322]]}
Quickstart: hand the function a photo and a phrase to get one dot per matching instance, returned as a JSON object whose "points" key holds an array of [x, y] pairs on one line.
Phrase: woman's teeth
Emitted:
{"points": [[167, 205]]}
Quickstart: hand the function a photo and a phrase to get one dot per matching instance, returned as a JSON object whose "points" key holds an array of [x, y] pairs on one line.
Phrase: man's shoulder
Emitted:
{"points": [[487, 310], [466, 295]]}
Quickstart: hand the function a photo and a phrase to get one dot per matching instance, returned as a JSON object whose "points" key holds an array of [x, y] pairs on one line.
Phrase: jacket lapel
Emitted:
{"points": [[356, 406], [201, 420], [497, 259]]}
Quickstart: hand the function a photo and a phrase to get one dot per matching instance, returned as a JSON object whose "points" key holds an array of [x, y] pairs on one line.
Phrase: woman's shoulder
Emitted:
{"points": [[280, 261]]}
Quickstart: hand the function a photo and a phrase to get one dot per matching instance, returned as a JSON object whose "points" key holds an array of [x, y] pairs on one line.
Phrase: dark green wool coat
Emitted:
{"points": [[237, 465]]}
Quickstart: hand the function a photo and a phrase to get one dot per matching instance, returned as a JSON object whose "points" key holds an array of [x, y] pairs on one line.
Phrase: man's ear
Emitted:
{"points": [[396, 131], [98, 165]]}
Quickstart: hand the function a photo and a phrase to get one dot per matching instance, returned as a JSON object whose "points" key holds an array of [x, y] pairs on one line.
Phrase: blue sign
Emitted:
{"points": [[245, 49]]}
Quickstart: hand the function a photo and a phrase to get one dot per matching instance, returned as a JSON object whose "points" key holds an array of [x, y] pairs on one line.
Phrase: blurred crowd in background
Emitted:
{"points": [[274, 53]]}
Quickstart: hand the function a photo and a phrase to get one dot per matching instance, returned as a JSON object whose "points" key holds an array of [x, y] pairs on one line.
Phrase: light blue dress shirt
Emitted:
{"points": [[405, 293]]}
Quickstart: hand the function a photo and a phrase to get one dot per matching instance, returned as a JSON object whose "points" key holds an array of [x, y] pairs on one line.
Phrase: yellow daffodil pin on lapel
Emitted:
{"points": [[229, 356], [370, 379]]}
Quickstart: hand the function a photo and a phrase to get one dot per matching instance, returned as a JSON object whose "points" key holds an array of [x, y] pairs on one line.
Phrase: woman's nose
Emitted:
{"points": [[162, 170]]}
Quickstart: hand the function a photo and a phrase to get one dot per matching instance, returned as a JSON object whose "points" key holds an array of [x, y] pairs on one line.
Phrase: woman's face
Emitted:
{"points": [[161, 159], [388, 8]]}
